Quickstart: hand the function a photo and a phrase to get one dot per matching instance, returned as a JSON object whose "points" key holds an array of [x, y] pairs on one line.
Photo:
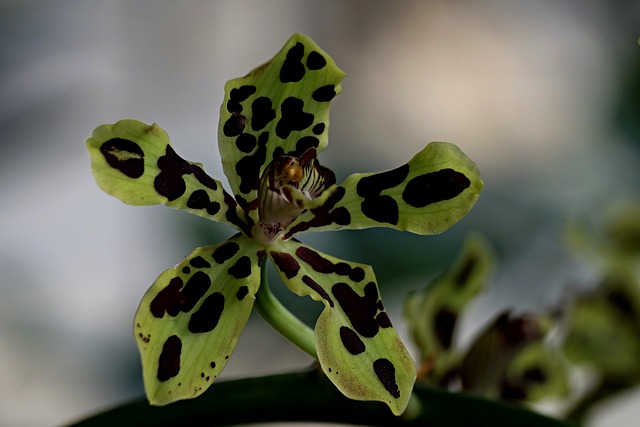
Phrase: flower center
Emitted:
{"points": [[294, 172], [290, 185]]}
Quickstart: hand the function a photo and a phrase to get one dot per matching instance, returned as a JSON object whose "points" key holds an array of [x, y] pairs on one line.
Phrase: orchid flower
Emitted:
{"points": [[273, 123]]}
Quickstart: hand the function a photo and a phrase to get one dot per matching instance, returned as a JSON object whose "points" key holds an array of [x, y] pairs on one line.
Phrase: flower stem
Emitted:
{"points": [[281, 319]]}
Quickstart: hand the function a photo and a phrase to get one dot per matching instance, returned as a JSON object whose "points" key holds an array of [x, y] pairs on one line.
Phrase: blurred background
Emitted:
{"points": [[542, 95]]}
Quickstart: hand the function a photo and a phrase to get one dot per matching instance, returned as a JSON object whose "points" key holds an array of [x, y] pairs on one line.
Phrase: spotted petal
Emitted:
{"points": [[135, 162], [189, 321], [427, 195], [357, 347], [433, 312], [281, 107]]}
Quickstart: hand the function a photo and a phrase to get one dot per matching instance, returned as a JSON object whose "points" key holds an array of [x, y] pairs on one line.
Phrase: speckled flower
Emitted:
{"points": [[273, 123]]}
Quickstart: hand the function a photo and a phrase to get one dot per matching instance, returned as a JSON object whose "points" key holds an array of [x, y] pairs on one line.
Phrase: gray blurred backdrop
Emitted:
{"points": [[538, 93]]}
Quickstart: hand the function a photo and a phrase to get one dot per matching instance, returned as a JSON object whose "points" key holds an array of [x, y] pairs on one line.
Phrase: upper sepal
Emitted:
{"points": [[281, 107], [135, 162], [427, 195]]}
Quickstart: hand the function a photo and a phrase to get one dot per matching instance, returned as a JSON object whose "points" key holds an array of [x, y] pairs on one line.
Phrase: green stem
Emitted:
{"points": [[281, 319]]}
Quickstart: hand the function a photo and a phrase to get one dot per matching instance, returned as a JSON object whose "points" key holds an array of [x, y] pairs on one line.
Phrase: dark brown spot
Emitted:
{"points": [[374, 184], [342, 268], [167, 300], [292, 68], [246, 142], [340, 216], [434, 187], [242, 268], [234, 125], [318, 129], [225, 252], [169, 362], [304, 144], [381, 208], [208, 315], [242, 292], [286, 263], [324, 93], [386, 373], [125, 156], [199, 199], [444, 324], [173, 298], [383, 320], [196, 287], [237, 95], [316, 287], [293, 117], [262, 113], [356, 274], [260, 255], [248, 167], [315, 61], [351, 341], [325, 266], [361, 311], [169, 182], [199, 262], [315, 260]]}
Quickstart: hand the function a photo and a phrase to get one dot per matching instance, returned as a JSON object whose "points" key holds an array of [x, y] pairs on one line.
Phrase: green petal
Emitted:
{"points": [[427, 195], [281, 107], [357, 347], [189, 321], [135, 162], [433, 312]]}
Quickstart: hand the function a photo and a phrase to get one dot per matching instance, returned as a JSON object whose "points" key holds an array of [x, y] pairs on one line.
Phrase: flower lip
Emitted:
{"points": [[290, 185]]}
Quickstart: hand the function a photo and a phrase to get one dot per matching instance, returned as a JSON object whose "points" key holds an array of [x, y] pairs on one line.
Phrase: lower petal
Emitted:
{"points": [[188, 323], [357, 347]]}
